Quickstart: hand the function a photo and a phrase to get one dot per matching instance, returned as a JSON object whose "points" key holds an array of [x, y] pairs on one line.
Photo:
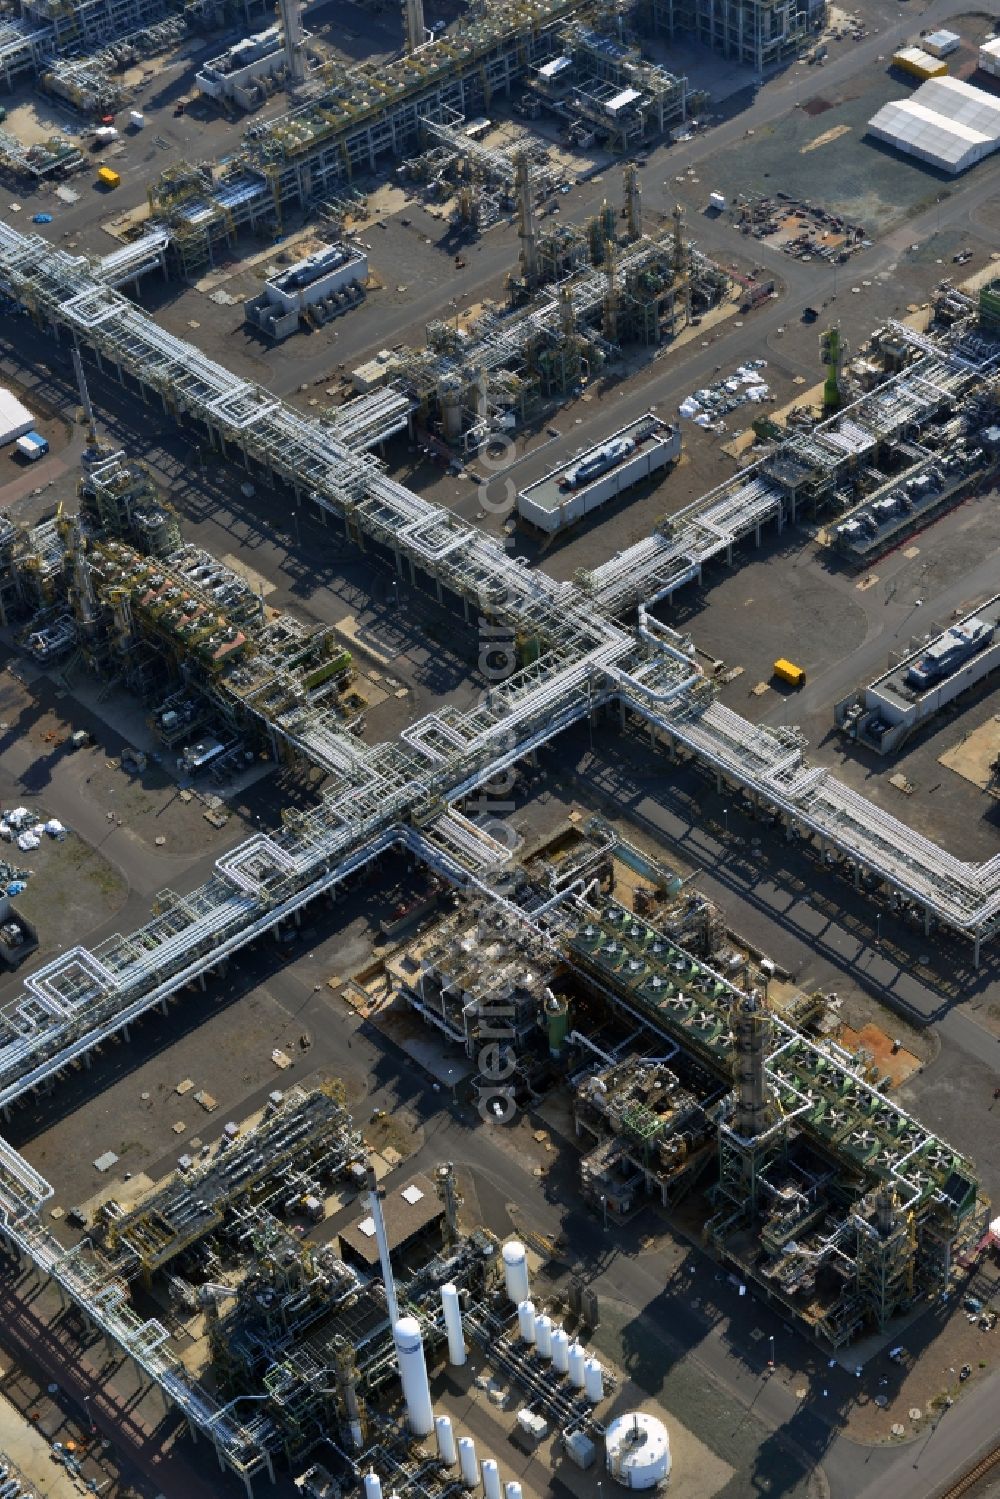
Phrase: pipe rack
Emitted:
{"points": [[401, 794]]}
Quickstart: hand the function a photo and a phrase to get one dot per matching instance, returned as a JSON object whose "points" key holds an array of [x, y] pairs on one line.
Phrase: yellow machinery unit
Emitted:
{"points": [[788, 672]]}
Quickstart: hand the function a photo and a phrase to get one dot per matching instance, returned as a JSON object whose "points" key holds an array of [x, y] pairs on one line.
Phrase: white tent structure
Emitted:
{"points": [[949, 124], [15, 419]]}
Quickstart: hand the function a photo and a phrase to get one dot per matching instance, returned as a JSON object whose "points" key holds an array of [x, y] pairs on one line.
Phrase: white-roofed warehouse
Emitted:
{"points": [[947, 123]]}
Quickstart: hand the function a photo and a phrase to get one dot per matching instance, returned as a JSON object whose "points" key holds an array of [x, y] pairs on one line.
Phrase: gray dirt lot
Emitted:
{"points": [[819, 150]]}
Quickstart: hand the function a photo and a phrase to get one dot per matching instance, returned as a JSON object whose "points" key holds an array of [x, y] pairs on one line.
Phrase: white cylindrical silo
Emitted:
{"points": [[515, 1269], [543, 1335], [593, 1381], [512, 1491], [452, 1308], [577, 1363], [491, 1478], [447, 1451], [373, 1486], [526, 1321], [413, 1376], [560, 1350], [467, 1462]]}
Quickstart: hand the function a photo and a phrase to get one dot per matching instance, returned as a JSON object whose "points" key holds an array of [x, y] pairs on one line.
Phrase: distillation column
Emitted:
{"points": [[413, 24], [753, 1028], [682, 274], [633, 201], [747, 1142], [295, 55], [526, 220]]}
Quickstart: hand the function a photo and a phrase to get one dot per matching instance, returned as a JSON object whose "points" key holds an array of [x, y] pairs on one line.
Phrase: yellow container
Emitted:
{"points": [[107, 177], [919, 64], [787, 671]]}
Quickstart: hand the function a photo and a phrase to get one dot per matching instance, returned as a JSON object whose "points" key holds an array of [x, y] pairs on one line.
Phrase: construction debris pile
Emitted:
{"points": [[745, 386]]}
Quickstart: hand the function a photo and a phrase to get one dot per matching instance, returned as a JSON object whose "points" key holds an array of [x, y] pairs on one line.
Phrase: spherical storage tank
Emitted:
{"points": [[637, 1450]]}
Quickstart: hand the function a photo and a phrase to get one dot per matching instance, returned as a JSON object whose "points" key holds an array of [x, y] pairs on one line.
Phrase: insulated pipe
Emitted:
{"points": [[447, 1451], [491, 1479], [543, 1335], [452, 1308], [468, 1463]]}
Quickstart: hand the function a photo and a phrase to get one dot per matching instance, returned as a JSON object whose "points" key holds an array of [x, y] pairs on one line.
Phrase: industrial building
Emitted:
{"points": [[325, 283], [116, 587], [947, 123], [593, 478], [928, 677], [605, 92], [240, 75]]}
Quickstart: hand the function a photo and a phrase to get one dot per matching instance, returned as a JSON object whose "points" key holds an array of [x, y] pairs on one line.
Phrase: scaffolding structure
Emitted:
{"points": [[605, 90], [301, 1138], [55, 157], [761, 34]]}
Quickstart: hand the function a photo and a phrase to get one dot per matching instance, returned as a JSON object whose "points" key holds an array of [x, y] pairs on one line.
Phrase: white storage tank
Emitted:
{"points": [[373, 1486], [637, 1450], [593, 1381], [526, 1321], [491, 1478], [467, 1463], [543, 1335], [413, 1376], [136, 119], [515, 1269], [577, 1364], [452, 1309], [447, 1451], [717, 201], [512, 1490], [560, 1350]]}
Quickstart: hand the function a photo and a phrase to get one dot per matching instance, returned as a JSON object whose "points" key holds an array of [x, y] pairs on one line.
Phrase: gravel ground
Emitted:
{"points": [[820, 147]]}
